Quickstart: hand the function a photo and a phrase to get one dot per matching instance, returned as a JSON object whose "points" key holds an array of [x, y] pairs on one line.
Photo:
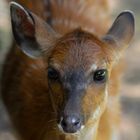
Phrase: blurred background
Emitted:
{"points": [[130, 89]]}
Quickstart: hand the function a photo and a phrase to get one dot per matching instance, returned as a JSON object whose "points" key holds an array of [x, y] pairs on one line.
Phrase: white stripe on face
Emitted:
{"points": [[93, 67]]}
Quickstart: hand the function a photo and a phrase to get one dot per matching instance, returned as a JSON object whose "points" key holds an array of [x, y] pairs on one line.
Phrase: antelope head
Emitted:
{"points": [[78, 64]]}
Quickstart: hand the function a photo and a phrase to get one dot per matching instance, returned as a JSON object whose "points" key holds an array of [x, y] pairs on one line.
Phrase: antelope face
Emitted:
{"points": [[78, 76], [78, 64]]}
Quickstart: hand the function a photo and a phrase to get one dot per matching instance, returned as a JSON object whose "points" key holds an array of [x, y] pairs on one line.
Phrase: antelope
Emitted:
{"points": [[64, 86]]}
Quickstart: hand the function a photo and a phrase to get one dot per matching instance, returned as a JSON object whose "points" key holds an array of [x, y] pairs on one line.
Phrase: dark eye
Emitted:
{"points": [[52, 74], [100, 75]]}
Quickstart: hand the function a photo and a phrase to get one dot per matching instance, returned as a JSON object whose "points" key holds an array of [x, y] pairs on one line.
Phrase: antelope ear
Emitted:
{"points": [[122, 30], [32, 34]]}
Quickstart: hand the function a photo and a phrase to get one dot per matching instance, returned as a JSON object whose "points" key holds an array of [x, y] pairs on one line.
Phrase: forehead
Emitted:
{"points": [[78, 50]]}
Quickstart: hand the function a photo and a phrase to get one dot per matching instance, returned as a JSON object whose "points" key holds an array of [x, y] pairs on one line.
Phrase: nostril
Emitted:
{"points": [[75, 121], [63, 123]]}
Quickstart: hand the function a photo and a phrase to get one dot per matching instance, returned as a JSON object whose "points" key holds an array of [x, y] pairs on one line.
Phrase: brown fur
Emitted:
{"points": [[25, 89], [90, 14]]}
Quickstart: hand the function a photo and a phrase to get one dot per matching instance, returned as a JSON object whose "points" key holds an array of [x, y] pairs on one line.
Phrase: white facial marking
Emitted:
{"points": [[93, 67], [96, 112], [82, 127], [60, 127], [88, 133], [106, 94], [56, 65]]}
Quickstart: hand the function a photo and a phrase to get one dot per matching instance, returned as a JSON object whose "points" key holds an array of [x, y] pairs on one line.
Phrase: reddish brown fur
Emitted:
{"points": [[25, 86], [90, 14], [33, 117]]}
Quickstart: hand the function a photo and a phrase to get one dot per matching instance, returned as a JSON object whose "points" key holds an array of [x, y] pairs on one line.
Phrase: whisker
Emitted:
{"points": [[53, 120]]}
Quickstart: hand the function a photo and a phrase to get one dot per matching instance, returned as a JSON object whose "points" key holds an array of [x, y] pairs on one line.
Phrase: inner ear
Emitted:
{"points": [[23, 27], [122, 29], [22, 20], [33, 35]]}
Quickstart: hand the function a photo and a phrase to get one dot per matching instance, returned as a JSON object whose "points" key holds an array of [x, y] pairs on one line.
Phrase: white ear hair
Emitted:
{"points": [[15, 4]]}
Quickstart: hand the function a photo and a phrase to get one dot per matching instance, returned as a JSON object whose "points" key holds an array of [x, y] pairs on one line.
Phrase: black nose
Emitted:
{"points": [[70, 124]]}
